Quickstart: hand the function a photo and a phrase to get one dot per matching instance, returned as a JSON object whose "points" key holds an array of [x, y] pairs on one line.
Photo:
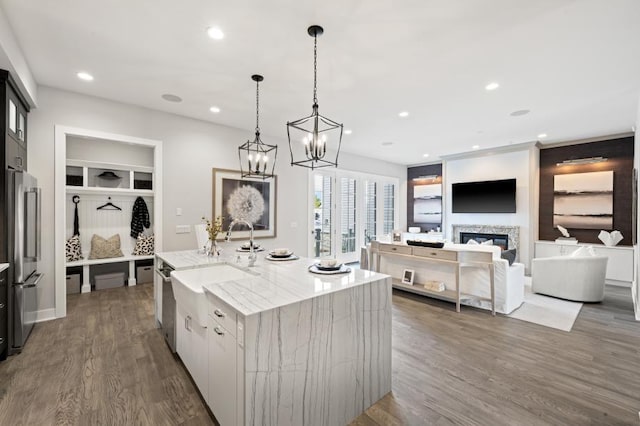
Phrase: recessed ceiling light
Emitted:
{"points": [[542, 135], [403, 114], [387, 143], [85, 76], [520, 112], [475, 147], [214, 109], [215, 33], [171, 98], [492, 86], [425, 155], [348, 131]]}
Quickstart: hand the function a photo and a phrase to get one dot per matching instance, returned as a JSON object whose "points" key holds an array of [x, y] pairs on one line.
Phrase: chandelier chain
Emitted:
{"points": [[315, 69], [257, 106]]}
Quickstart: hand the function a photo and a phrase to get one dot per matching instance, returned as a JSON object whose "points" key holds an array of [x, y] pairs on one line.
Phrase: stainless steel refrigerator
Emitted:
{"points": [[24, 234]]}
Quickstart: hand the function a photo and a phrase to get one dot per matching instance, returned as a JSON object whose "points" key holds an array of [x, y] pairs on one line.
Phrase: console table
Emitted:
{"points": [[421, 257]]}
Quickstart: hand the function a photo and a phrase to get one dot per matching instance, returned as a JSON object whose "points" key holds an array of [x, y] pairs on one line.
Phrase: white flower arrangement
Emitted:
{"points": [[246, 203]]}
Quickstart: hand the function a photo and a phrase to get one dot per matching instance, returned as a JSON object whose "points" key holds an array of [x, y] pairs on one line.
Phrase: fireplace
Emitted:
{"points": [[501, 240], [479, 231]]}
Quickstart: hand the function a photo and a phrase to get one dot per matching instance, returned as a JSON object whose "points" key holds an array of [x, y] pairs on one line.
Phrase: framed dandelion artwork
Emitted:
{"points": [[251, 200]]}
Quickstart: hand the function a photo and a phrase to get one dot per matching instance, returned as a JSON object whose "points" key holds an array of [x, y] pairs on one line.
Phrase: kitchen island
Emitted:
{"points": [[288, 347]]}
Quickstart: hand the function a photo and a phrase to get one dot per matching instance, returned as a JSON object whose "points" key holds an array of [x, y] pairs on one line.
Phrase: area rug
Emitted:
{"points": [[546, 311]]}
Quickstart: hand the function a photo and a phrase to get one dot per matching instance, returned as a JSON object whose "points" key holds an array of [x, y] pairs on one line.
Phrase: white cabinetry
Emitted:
{"points": [[191, 346], [620, 267], [223, 374]]}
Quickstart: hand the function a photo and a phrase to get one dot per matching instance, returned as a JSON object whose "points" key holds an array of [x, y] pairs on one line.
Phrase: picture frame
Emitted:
{"points": [[225, 183], [396, 236], [407, 276]]}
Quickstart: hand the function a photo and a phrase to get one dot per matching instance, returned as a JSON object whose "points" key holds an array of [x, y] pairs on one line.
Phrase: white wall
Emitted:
{"points": [[191, 148], [520, 165]]}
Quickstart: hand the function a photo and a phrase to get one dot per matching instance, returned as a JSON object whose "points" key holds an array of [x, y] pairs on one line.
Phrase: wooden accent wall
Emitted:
{"points": [[414, 172], [619, 153]]}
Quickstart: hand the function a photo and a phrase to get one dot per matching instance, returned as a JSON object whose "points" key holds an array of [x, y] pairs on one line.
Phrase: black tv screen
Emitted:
{"points": [[495, 196]]}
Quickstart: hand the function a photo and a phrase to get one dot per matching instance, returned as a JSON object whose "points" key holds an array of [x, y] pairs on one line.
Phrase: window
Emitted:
{"points": [[389, 209], [370, 201]]}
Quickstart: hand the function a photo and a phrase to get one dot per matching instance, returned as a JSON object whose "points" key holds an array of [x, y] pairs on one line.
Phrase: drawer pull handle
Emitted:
{"points": [[2, 305], [1, 340], [218, 331], [219, 313], [434, 254]]}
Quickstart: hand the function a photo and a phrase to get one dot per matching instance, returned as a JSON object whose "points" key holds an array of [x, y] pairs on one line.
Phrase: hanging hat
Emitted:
{"points": [[109, 175]]}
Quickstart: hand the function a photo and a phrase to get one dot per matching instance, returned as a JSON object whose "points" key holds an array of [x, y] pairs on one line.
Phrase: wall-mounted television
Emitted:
{"points": [[494, 196]]}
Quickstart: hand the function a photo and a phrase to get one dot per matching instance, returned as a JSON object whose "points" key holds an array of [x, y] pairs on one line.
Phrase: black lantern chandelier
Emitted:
{"points": [[257, 159], [314, 140]]}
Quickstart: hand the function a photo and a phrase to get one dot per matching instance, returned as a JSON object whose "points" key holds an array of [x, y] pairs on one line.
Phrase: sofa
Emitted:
{"points": [[578, 278], [508, 280]]}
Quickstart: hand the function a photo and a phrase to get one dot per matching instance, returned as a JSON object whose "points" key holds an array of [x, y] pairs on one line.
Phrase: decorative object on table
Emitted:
{"points": [[566, 237], [102, 248], [407, 276], [139, 217], [317, 269], [250, 200], [414, 229], [430, 244], [213, 229], [437, 286], [314, 140], [610, 239], [76, 222], [257, 159], [109, 206], [396, 236], [144, 245], [73, 249], [583, 200]]}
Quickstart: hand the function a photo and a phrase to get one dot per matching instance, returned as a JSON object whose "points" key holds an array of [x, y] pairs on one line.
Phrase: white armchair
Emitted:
{"points": [[574, 278]]}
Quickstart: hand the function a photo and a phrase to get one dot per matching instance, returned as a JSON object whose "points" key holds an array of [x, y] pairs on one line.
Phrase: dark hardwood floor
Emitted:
{"points": [[107, 364]]}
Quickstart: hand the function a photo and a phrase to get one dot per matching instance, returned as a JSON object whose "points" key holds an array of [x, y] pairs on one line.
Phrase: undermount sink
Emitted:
{"points": [[188, 291]]}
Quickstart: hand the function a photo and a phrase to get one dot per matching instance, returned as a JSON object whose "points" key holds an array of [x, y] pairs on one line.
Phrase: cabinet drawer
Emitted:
{"points": [[223, 314], [398, 249], [435, 253]]}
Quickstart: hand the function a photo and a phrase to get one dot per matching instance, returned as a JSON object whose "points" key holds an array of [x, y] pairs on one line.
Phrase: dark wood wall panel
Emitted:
{"points": [[415, 172], [619, 153]]}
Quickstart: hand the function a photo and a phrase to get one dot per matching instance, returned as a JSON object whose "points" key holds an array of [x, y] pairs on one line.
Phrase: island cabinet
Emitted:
{"points": [[192, 347], [291, 348]]}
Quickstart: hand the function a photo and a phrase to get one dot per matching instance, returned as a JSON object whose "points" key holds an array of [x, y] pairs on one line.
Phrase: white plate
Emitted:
{"points": [[271, 253], [280, 259], [243, 250], [343, 270]]}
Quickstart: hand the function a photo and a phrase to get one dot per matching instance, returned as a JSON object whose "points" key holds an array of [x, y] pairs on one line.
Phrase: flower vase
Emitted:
{"points": [[211, 248]]}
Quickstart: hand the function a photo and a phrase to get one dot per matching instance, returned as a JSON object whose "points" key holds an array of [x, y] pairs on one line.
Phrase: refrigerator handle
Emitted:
{"points": [[38, 192]]}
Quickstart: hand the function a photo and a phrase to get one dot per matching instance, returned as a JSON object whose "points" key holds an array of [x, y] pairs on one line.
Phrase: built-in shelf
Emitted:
{"points": [[109, 191], [447, 295], [89, 262], [127, 178]]}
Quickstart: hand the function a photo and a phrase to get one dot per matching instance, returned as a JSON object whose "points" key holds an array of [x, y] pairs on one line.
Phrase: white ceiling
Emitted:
{"points": [[574, 63]]}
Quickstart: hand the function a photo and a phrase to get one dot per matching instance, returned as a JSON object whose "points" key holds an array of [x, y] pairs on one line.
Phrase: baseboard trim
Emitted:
{"points": [[46, 315]]}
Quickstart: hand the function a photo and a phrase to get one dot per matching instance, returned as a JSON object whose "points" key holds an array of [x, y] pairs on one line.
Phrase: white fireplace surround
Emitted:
{"points": [[512, 231]]}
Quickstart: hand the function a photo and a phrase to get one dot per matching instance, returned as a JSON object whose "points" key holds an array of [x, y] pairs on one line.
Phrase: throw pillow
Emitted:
{"points": [[105, 249], [487, 243], [473, 242], [73, 249], [144, 245], [584, 251], [509, 255]]}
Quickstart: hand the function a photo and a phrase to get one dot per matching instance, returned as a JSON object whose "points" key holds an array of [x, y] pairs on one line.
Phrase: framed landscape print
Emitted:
{"points": [[253, 200], [583, 200]]}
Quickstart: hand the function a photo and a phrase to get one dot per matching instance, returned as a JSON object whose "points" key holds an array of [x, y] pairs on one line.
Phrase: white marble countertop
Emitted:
{"points": [[3, 266], [274, 284]]}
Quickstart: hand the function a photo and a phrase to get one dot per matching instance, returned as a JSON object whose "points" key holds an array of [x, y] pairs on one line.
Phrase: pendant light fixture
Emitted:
{"points": [[257, 159], [314, 141]]}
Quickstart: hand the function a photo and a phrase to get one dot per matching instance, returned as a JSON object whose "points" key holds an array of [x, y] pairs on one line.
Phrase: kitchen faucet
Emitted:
{"points": [[252, 255]]}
